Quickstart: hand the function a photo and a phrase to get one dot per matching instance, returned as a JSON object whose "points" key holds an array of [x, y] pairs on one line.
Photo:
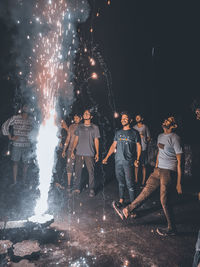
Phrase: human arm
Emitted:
{"points": [[74, 146], [5, 128], [139, 150], [66, 144], [178, 186], [110, 152], [96, 144], [64, 125], [156, 166]]}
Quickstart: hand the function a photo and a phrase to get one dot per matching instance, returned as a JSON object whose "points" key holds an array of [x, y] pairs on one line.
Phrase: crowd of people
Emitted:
{"points": [[130, 145]]}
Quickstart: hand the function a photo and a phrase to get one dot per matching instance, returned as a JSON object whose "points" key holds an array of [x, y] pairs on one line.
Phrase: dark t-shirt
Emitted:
{"points": [[126, 145], [86, 135]]}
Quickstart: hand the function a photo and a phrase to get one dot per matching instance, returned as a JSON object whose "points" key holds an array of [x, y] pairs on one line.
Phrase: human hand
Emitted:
{"points": [[72, 155], [64, 125], [105, 161], [63, 154], [179, 189], [136, 163], [96, 157]]}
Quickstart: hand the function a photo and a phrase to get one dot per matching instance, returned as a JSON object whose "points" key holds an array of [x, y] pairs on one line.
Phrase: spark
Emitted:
{"points": [[94, 76], [116, 115], [92, 62]]}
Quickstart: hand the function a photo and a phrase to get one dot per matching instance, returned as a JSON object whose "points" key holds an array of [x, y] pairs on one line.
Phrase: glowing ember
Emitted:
{"points": [[94, 76]]}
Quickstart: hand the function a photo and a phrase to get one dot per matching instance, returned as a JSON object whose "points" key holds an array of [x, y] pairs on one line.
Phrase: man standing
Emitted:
{"points": [[22, 126], [128, 150], [145, 138], [68, 145], [86, 143], [168, 162]]}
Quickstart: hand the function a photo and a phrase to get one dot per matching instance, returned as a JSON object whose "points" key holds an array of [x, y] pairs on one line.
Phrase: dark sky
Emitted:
{"points": [[126, 32]]}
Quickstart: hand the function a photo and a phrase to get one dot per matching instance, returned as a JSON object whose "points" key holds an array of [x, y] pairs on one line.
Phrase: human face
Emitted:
{"points": [[77, 119], [25, 109], [198, 113], [124, 120], [87, 115], [138, 119]]}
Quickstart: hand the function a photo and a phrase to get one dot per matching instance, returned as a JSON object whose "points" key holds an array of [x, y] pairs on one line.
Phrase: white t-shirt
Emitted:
{"points": [[169, 146]]}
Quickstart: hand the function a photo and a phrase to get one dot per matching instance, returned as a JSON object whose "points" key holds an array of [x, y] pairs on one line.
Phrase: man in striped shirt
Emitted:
{"points": [[22, 125]]}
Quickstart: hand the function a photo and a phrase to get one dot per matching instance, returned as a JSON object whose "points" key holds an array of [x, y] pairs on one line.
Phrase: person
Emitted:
{"points": [[145, 139], [21, 144], [68, 145], [128, 149], [196, 259], [86, 143], [167, 163]]}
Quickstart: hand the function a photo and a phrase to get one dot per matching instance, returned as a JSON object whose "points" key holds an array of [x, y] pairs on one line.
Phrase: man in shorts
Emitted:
{"points": [[145, 138], [68, 146], [21, 144]]}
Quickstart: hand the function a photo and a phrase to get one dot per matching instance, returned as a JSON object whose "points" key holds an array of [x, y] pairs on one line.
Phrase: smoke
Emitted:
{"points": [[35, 26]]}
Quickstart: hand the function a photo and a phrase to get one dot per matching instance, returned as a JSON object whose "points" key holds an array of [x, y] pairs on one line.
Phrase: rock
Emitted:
{"points": [[26, 247], [4, 246], [23, 263]]}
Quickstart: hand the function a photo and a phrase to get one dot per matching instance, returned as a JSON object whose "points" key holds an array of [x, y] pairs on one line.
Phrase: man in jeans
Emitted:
{"points": [[86, 143], [128, 150], [168, 162]]}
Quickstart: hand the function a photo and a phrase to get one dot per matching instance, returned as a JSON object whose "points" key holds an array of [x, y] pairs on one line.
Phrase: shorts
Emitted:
{"points": [[70, 163], [21, 153], [144, 158]]}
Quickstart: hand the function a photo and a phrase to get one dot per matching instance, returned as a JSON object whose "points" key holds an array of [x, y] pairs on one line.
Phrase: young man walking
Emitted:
{"points": [[145, 138], [128, 149], [68, 145], [86, 143], [167, 164]]}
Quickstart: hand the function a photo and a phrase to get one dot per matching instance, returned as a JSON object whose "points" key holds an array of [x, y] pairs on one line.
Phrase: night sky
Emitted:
{"points": [[127, 32]]}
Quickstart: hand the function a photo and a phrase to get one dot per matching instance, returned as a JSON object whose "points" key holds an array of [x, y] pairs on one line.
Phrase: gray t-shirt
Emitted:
{"points": [[86, 135], [144, 134], [169, 145]]}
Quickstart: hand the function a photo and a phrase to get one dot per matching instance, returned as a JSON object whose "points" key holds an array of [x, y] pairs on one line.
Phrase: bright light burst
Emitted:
{"points": [[50, 70]]}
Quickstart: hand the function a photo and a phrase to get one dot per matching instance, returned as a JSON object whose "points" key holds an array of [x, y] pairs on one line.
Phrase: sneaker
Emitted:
{"points": [[91, 194], [166, 231], [118, 209]]}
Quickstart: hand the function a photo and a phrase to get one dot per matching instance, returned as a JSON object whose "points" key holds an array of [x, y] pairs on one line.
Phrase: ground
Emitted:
{"points": [[87, 232]]}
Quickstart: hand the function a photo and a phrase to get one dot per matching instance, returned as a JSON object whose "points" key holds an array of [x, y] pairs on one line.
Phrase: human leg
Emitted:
{"points": [[128, 171], [89, 161], [120, 175], [78, 172]]}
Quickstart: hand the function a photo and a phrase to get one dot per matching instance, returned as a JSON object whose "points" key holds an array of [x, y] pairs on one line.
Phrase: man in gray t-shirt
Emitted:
{"points": [[86, 143], [145, 138], [168, 161], [68, 145]]}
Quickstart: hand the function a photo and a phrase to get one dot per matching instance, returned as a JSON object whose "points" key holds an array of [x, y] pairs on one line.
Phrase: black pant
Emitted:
{"points": [[89, 162]]}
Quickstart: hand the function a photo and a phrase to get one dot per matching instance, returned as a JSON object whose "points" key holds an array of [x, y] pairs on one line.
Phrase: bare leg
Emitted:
{"points": [[15, 170], [69, 178], [143, 174], [136, 174], [25, 171]]}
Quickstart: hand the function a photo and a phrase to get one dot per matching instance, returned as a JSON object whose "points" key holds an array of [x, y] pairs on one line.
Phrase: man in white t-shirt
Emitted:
{"points": [[167, 164], [145, 138]]}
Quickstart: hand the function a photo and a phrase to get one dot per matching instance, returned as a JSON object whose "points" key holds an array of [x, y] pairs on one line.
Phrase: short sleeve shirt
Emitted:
{"points": [[144, 134], [86, 135], [169, 146], [126, 145]]}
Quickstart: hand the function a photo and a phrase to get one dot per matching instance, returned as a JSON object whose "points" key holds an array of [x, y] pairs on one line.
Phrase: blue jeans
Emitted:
{"points": [[124, 173]]}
